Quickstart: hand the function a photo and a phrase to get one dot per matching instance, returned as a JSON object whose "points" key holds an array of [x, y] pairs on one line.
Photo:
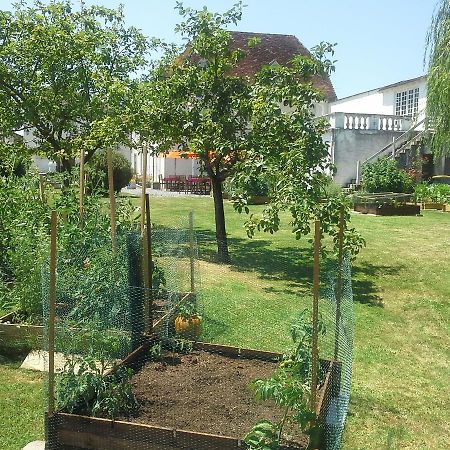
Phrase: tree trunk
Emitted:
{"points": [[221, 235]]}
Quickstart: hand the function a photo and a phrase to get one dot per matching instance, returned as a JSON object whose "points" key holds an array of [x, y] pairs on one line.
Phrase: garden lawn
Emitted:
{"points": [[401, 289], [401, 285], [21, 405]]}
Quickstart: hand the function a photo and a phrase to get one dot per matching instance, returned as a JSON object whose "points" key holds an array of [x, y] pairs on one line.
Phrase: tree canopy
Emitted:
{"points": [[246, 128], [438, 86], [66, 74]]}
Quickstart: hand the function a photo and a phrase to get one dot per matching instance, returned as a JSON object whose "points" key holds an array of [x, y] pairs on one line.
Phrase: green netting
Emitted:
{"points": [[336, 344], [101, 311]]}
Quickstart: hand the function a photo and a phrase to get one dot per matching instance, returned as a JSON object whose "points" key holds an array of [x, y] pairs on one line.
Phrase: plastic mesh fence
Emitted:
{"points": [[120, 386], [102, 316], [336, 344]]}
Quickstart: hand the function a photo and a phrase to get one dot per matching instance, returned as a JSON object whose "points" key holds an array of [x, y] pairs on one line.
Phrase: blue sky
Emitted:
{"points": [[378, 42]]}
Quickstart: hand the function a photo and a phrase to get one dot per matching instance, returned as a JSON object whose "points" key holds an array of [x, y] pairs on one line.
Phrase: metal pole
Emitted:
{"points": [[338, 292], [358, 173], [315, 330], [112, 201], [51, 317]]}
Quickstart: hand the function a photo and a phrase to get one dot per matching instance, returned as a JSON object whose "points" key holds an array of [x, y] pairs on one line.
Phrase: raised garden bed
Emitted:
{"points": [[387, 210], [26, 335], [385, 204], [446, 207], [197, 401], [433, 205]]}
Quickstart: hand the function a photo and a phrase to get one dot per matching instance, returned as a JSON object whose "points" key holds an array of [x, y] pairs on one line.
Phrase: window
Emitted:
{"points": [[407, 102]]}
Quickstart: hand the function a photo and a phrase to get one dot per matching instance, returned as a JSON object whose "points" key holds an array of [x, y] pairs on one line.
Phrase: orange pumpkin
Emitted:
{"points": [[188, 327]]}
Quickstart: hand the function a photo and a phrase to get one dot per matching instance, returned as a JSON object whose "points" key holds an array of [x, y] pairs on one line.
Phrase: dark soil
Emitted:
{"points": [[204, 392]]}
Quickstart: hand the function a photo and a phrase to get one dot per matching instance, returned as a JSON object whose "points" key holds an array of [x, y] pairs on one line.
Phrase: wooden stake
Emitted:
{"points": [[144, 185], [51, 318], [315, 316], [150, 258], [112, 201], [145, 270], [191, 250], [42, 187], [82, 184], [338, 292]]}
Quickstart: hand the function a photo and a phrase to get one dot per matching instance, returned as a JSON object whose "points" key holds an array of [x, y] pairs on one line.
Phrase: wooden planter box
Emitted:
{"points": [[258, 200], [387, 210], [446, 207], [18, 334], [433, 205], [74, 432]]}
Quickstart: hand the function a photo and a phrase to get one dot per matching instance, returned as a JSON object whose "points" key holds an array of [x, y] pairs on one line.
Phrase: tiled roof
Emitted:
{"points": [[279, 48]]}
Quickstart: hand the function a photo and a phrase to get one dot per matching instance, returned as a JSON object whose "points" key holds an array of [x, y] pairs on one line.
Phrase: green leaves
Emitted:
{"points": [[288, 387], [438, 82], [263, 436], [64, 72], [383, 175]]}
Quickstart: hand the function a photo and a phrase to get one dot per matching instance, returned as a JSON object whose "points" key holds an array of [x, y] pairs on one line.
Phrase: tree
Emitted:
{"points": [[240, 127], [201, 106], [66, 74], [438, 85], [286, 147]]}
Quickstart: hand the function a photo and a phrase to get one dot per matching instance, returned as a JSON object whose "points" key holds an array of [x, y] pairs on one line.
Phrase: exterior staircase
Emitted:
{"points": [[398, 148]]}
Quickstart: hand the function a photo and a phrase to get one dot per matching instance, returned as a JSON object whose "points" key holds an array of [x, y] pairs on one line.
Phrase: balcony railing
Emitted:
{"points": [[359, 121]]}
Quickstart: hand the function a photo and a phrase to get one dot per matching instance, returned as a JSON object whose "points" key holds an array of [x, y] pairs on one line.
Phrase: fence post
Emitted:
{"points": [[338, 292], [144, 185], [145, 270], [51, 317], [315, 316], [81, 187], [150, 259], [42, 187], [191, 250], [112, 200]]}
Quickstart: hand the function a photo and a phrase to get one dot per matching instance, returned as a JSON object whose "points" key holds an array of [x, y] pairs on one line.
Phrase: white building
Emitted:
{"points": [[387, 121]]}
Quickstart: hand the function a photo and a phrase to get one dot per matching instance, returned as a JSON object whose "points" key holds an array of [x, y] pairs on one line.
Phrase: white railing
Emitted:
{"points": [[358, 121]]}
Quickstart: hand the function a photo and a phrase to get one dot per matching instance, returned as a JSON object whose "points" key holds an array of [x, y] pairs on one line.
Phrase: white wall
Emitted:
{"points": [[380, 101], [370, 102]]}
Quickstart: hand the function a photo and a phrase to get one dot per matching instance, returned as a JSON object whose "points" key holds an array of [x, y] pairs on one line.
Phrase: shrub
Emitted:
{"points": [[14, 159], [383, 175], [98, 171], [253, 187]]}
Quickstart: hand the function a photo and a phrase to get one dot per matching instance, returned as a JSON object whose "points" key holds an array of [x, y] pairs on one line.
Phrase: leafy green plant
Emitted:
{"points": [[178, 345], [24, 243], [98, 171], [289, 387], [383, 175], [84, 389], [14, 159], [263, 436], [437, 193]]}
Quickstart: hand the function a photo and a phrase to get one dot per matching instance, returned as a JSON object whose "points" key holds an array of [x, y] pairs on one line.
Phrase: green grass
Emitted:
{"points": [[401, 289], [21, 405]]}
